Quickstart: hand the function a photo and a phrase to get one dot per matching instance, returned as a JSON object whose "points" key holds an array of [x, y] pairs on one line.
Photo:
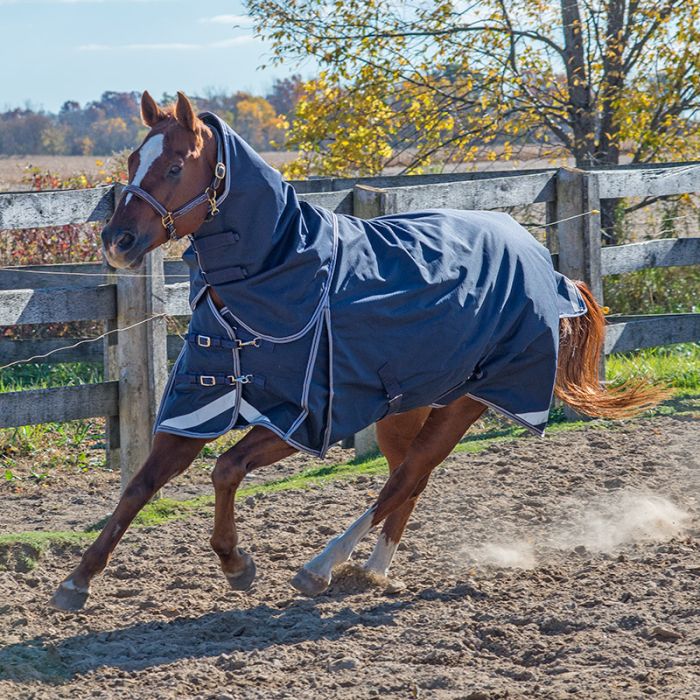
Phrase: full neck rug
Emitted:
{"points": [[332, 322]]}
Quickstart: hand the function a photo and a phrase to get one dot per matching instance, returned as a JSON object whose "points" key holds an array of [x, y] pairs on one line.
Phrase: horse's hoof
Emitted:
{"points": [[243, 580], [68, 597], [308, 583]]}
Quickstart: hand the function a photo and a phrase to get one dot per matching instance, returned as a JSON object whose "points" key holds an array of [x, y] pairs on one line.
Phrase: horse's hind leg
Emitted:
{"points": [[257, 448], [394, 436], [171, 455], [441, 431]]}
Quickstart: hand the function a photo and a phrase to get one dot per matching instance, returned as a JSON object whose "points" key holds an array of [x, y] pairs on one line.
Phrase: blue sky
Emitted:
{"points": [[55, 50]]}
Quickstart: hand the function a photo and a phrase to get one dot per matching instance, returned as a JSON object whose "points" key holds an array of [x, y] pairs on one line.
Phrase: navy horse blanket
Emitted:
{"points": [[332, 322]]}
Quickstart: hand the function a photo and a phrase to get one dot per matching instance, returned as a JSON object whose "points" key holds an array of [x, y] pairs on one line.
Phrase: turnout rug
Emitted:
{"points": [[332, 322]]}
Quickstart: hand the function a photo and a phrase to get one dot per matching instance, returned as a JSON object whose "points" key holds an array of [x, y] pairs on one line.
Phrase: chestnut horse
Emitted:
{"points": [[177, 169]]}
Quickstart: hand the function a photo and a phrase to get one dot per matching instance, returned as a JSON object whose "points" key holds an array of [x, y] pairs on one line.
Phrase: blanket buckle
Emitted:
{"points": [[207, 380], [204, 341], [254, 343], [243, 379]]}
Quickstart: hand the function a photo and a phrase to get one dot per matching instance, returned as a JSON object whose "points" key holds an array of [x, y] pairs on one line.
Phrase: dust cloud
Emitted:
{"points": [[605, 524]]}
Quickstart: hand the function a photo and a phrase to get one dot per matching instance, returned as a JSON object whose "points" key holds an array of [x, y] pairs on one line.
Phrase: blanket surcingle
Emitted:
{"points": [[332, 322]]}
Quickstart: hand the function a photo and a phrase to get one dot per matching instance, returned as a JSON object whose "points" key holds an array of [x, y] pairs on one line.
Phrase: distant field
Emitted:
{"points": [[14, 168]]}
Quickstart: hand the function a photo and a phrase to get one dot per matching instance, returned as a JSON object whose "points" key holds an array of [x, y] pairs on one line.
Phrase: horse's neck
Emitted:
{"points": [[209, 151]]}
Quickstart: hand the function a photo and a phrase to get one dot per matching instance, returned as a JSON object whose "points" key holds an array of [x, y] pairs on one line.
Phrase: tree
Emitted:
{"points": [[285, 94], [586, 78], [256, 121]]}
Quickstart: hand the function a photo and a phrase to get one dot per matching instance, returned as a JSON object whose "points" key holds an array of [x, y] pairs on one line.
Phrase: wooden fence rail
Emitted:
{"points": [[135, 358]]}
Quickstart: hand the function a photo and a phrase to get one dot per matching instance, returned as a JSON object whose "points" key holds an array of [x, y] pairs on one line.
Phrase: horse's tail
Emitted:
{"points": [[578, 373]]}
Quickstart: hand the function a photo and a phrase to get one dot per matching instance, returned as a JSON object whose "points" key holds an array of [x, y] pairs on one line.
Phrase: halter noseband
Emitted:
{"points": [[209, 195]]}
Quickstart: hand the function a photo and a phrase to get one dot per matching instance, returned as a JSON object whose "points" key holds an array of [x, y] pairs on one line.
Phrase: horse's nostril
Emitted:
{"points": [[126, 240]]}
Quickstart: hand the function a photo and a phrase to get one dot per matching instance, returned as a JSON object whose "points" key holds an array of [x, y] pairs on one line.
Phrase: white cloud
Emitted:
{"points": [[174, 46], [231, 20]]}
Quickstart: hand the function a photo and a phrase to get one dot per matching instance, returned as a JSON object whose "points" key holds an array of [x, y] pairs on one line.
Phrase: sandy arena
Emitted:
{"points": [[560, 568]]}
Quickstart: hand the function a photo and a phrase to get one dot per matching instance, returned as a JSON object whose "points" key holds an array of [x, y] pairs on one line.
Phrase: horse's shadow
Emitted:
{"points": [[150, 644]]}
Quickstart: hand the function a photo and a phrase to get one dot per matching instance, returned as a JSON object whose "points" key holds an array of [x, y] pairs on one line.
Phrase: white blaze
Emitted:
{"points": [[148, 154]]}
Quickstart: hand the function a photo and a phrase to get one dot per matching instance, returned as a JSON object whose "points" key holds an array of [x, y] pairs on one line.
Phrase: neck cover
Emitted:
{"points": [[332, 322]]}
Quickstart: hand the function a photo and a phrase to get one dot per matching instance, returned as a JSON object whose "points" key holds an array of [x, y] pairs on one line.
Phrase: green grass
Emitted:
{"points": [[44, 376], [675, 365], [22, 551]]}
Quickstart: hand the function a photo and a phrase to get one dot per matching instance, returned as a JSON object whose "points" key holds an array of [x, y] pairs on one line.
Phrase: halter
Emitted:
{"points": [[209, 195]]}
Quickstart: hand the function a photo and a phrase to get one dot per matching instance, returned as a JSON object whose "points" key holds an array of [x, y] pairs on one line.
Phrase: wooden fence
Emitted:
{"points": [[135, 359]]}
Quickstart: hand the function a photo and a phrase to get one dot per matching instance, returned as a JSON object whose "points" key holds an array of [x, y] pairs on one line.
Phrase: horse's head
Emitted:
{"points": [[175, 167]]}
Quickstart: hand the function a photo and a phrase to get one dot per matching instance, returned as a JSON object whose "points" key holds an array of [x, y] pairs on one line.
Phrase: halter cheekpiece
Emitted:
{"points": [[209, 195]]}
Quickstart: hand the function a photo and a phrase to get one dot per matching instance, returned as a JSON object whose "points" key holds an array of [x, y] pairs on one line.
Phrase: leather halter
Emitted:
{"points": [[209, 195]]}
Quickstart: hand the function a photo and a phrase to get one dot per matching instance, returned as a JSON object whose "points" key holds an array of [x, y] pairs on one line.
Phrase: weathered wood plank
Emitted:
{"points": [[645, 182], [21, 210], [476, 194], [334, 184], [665, 252], [636, 332], [57, 304], [74, 275], [58, 405], [16, 350], [91, 351], [177, 299], [339, 202]]}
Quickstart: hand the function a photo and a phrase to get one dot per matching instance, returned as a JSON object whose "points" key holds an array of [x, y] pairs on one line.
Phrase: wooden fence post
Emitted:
{"points": [[110, 360], [368, 202], [578, 228], [579, 236], [141, 358]]}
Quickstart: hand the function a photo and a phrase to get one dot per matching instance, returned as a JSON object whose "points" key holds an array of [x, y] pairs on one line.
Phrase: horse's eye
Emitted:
{"points": [[175, 170]]}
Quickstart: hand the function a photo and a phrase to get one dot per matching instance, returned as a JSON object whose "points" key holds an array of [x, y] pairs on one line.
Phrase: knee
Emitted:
{"points": [[139, 489], [228, 471]]}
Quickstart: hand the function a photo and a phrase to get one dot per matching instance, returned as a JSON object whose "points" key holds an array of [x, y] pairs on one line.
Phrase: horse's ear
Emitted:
{"points": [[151, 113], [184, 112]]}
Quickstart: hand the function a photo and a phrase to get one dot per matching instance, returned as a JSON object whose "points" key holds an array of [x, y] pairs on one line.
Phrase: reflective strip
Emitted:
{"points": [[202, 415], [534, 418], [250, 413], [213, 409]]}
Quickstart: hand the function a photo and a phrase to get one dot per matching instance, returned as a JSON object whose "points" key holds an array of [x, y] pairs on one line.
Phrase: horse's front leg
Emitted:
{"points": [[170, 455], [258, 448]]}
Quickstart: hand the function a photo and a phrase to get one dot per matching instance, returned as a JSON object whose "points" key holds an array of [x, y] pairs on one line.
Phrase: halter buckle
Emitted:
{"points": [[211, 197], [169, 225], [220, 171]]}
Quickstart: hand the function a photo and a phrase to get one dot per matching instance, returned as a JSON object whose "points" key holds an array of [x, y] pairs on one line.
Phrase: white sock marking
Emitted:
{"points": [[148, 154], [382, 556], [340, 548]]}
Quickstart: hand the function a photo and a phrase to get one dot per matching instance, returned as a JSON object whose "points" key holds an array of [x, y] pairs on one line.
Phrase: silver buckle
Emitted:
{"points": [[206, 380], [255, 343], [243, 379], [204, 341], [220, 171]]}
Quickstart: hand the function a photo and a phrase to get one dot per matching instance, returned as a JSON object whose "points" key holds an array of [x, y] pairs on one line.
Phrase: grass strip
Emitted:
{"points": [[32, 545]]}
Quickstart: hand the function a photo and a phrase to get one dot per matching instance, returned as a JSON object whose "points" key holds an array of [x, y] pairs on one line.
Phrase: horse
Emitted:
{"points": [[294, 310]]}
